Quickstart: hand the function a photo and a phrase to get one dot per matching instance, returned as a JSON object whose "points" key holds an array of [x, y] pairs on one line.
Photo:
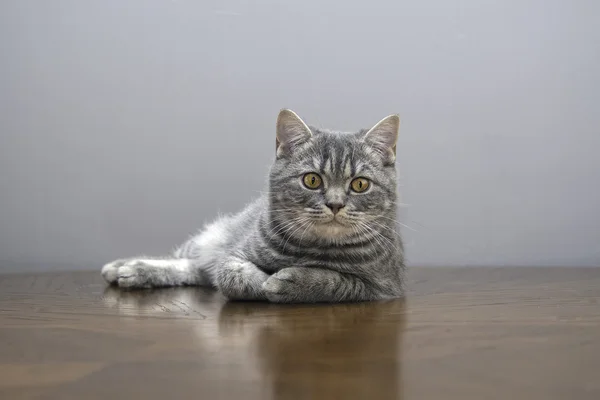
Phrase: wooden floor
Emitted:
{"points": [[483, 333]]}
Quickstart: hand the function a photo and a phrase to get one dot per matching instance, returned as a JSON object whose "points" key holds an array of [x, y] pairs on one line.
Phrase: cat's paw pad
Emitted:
{"points": [[282, 287]]}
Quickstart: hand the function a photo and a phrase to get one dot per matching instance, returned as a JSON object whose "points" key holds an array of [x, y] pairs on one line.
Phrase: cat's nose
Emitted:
{"points": [[335, 207]]}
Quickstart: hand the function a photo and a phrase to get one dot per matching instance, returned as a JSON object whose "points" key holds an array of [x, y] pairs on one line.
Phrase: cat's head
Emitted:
{"points": [[333, 184]]}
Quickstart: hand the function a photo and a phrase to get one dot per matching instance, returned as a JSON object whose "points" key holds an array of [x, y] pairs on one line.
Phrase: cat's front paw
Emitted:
{"points": [[110, 271], [285, 286], [126, 274]]}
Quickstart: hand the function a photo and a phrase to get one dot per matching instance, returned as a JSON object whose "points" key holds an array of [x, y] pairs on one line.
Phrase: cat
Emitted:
{"points": [[325, 231]]}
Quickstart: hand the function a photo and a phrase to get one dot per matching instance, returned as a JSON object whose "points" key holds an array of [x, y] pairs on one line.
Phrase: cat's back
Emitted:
{"points": [[244, 223], [228, 232]]}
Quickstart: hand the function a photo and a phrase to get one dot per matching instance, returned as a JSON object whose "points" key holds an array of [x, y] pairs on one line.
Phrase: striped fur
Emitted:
{"points": [[288, 246]]}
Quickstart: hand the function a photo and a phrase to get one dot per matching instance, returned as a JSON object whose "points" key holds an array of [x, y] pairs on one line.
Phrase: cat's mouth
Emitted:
{"points": [[336, 221]]}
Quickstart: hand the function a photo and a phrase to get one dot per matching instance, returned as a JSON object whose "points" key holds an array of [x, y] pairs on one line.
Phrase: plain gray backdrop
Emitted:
{"points": [[125, 125]]}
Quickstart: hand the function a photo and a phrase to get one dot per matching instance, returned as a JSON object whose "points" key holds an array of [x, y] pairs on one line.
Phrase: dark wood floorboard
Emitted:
{"points": [[462, 333]]}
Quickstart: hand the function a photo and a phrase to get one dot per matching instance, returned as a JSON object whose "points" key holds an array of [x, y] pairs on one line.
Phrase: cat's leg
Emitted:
{"points": [[240, 279], [148, 272], [316, 285]]}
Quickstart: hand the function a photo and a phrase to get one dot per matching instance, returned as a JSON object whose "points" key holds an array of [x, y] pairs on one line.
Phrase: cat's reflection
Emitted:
{"points": [[196, 302], [342, 351], [334, 351]]}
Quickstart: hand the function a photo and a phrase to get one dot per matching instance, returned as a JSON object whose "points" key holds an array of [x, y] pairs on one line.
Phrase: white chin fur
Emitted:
{"points": [[331, 230]]}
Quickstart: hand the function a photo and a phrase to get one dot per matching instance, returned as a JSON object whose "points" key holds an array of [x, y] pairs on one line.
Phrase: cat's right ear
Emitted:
{"points": [[291, 132]]}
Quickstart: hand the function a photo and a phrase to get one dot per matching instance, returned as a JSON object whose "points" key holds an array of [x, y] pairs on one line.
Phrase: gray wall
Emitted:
{"points": [[125, 125]]}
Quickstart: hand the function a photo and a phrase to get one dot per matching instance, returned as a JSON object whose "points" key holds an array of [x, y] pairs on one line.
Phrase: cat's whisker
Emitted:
{"points": [[357, 234], [407, 227], [379, 235], [301, 225], [364, 232], [283, 226], [309, 225], [398, 222], [282, 210], [401, 205], [388, 228]]}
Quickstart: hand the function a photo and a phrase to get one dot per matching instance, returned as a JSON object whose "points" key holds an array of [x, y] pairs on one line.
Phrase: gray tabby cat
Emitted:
{"points": [[325, 232]]}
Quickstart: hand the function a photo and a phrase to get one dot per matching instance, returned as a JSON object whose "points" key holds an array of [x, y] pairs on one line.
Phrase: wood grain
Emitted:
{"points": [[462, 333]]}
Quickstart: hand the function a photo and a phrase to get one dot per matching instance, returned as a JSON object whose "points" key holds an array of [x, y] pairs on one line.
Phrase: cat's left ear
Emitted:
{"points": [[291, 132], [383, 137]]}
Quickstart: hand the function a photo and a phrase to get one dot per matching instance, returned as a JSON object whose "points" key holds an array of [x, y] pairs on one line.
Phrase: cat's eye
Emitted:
{"points": [[312, 181], [359, 185]]}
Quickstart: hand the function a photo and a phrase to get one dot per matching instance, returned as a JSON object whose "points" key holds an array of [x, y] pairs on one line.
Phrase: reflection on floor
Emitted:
{"points": [[462, 333]]}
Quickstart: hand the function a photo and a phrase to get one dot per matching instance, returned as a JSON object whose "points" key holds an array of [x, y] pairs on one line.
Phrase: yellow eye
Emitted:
{"points": [[359, 185], [312, 181]]}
